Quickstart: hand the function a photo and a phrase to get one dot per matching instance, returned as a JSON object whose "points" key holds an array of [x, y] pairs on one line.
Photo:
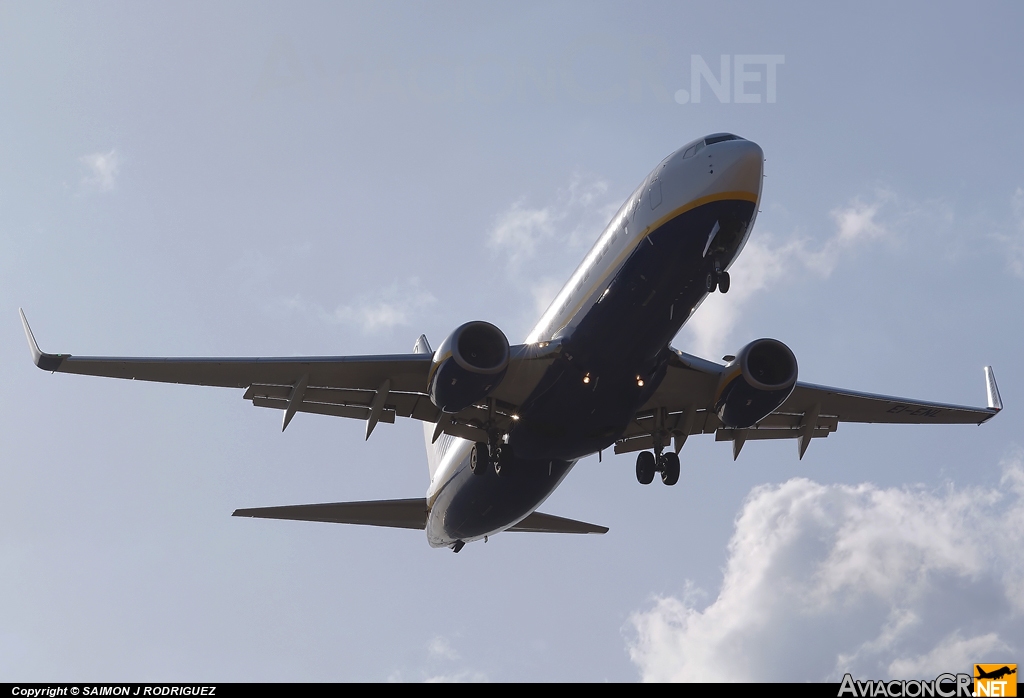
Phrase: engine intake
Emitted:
{"points": [[468, 365], [756, 383]]}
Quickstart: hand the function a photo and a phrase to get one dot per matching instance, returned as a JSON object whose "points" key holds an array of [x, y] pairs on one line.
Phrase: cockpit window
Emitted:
{"points": [[719, 137], [692, 150]]}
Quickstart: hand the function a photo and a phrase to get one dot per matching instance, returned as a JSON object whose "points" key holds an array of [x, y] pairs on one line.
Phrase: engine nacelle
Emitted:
{"points": [[756, 383], [468, 365]]}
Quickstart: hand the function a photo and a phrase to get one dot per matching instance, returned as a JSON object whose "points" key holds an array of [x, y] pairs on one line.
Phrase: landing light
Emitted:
{"points": [[640, 381], [586, 378], [515, 418]]}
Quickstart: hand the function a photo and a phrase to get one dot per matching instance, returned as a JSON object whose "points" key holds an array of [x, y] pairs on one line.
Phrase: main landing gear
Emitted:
{"points": [[486, 457], [666, 463]]}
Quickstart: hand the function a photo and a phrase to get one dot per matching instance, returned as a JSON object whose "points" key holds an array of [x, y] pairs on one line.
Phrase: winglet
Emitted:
{"points": [[47, 362], [995, 403]]}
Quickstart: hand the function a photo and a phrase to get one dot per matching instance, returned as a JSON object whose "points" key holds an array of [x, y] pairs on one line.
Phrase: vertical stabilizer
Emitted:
{"points": [[435, 451]]}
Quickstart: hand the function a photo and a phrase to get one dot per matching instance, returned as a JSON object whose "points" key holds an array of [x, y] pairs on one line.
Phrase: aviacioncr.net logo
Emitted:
{"points": [[942, 686], [995, 680]]}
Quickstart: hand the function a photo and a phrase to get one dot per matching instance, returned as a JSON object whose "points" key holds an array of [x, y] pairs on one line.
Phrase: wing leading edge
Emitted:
{"points": [[406, 371]]}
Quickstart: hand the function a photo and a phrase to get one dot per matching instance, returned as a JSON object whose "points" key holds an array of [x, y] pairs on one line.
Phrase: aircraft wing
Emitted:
{"points": [[372, 388], [682, 406]]}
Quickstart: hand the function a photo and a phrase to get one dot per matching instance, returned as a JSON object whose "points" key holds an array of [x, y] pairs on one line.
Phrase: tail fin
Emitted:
{"points": [[435, 450]]}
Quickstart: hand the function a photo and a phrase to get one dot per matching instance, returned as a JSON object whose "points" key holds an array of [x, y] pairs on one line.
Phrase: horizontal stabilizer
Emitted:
{"points": [[402, 513], [394, 513], [546, 523]]}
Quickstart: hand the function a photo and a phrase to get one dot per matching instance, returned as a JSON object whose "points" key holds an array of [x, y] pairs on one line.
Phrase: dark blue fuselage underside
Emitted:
{"points": [[623, 336]]}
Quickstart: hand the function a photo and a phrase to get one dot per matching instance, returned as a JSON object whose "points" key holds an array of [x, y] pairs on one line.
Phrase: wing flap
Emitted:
{"points": [[391, 513], [758, 434]]}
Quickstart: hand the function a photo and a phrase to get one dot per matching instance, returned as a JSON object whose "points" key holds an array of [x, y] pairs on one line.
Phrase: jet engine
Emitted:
{"points": [[468, 365], [756, 383]]}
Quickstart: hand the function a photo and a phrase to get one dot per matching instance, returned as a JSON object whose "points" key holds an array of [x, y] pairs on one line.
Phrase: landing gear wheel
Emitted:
{"points": [[723, 282], [645, 467], [478, 459], [710, 282], [669, 468]]}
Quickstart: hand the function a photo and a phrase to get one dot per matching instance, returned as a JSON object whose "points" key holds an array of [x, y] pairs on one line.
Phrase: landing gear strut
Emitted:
{"points": [[484, 457], [500, 459], [493, 454], [669, 463], [666, 463]]}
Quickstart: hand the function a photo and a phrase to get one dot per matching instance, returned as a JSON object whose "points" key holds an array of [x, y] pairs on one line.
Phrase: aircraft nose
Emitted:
{"points": [[739, 165]]}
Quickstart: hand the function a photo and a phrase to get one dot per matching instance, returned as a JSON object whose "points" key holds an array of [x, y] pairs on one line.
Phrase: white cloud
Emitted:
{"points": [[766, 260], [950, 652], [762, 263], [103, 169], [458, 677], [824, 579], [441, 656], [551, 238], [441, 648], [578, 214], [395, 306], [519, 230]]}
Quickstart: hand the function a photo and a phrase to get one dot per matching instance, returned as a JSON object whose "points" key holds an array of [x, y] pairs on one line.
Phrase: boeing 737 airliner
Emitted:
{"points": [[505, 424]]}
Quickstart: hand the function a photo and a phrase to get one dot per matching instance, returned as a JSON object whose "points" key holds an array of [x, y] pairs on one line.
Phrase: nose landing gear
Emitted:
{"points": [[716, 278], [723, 282]]}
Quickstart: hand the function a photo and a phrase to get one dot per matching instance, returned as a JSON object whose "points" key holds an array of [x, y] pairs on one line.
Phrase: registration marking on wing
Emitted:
{"points": [[914, 411]]}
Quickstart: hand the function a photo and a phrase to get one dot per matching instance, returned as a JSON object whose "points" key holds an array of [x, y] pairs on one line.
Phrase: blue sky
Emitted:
{"points": [[244, 179]]}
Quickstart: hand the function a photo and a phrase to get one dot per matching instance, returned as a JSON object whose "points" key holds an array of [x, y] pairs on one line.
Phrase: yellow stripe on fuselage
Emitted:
{"points": [[650, 230]]}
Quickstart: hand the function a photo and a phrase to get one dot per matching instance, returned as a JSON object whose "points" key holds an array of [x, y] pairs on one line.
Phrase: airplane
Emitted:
{"points": [[995, 674], [504, 424]]}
